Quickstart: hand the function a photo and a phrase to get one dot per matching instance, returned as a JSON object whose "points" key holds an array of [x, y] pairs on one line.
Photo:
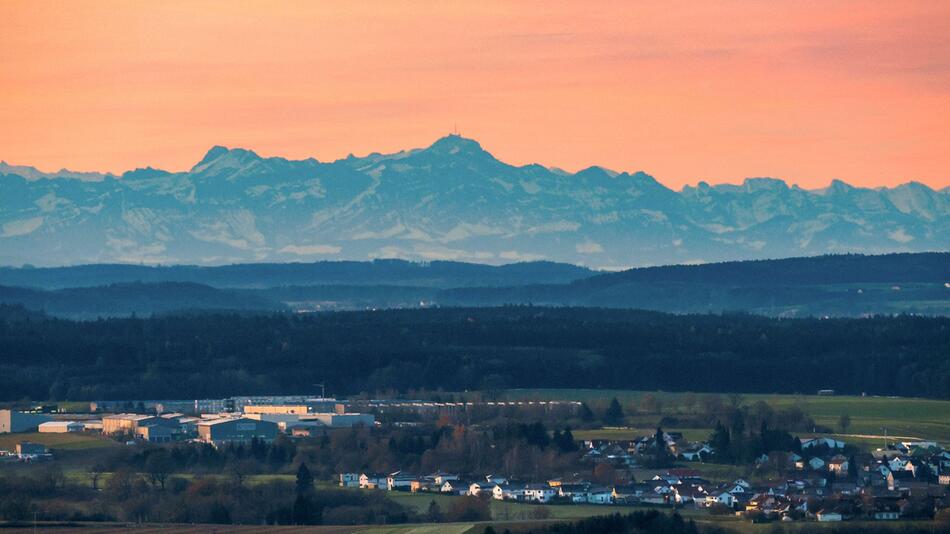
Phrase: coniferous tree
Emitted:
{"points": [[304, 480], [614, 414]]}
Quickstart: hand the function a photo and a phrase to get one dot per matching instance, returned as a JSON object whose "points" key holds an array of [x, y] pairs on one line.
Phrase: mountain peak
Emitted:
{"points": [[229, 157], [764, 184], [456, 144]]}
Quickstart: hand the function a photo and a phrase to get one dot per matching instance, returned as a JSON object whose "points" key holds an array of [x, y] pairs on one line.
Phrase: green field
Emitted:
{"points": [[902, 417], [72, 441]]}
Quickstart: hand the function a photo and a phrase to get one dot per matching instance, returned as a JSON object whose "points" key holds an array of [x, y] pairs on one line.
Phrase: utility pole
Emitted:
{"points": [[323, 390]]}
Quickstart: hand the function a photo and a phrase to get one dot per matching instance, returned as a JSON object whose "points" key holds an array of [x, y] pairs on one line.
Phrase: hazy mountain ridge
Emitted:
{"points": [[840, 285], [450, 201], [436, 274]]}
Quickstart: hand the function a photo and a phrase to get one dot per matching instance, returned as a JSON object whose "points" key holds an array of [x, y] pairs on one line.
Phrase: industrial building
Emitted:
{"points": [[133, 425], [14, 421], [236, 429], [340, 420], [154, 433], [61, 427], [201, 406], [126, 422], [286, 409]]}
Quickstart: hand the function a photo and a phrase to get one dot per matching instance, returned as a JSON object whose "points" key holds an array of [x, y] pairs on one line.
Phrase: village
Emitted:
{"points": [[909, 480]]}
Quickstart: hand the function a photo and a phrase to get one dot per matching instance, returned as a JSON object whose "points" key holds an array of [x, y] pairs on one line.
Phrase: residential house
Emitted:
{"points": [[508, 492], [496, 479], [541, 493], [599, 495], [399, 481], [373, 481], [630, 493], [475, 488], [838, 465], [439, 477], [455, 487], [696, 453], [721, 497], [577, 493]]}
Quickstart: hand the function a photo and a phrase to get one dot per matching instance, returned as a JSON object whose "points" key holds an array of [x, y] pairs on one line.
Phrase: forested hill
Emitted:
{"points": [[211, 355], [927, 267], [837, 285], [135, 298], [436, 274]]}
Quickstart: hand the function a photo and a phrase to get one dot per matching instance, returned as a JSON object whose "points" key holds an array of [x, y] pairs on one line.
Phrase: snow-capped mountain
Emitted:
{"points": [[452, 200]]}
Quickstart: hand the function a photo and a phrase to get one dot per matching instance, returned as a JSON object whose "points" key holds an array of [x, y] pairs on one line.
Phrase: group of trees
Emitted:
{"points": [[641, 522], [744, 433], [128, 495], [216, 355]]}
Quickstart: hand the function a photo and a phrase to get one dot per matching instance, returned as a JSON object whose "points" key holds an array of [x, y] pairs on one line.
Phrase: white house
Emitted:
{"points": [[724, 498], [440, 477], [508, 492], [475, 488], [539, 493], [599, 495], [455, 487]]}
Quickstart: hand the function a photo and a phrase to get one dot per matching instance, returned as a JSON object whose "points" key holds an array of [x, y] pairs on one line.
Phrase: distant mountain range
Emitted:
{"points": [[450, 201]]}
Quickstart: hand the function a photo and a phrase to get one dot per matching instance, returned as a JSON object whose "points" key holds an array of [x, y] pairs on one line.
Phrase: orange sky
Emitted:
{"points": [[802, 90]]}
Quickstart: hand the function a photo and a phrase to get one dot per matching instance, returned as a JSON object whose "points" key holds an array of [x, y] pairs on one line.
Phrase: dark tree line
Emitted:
{"points": [[215, 355]]}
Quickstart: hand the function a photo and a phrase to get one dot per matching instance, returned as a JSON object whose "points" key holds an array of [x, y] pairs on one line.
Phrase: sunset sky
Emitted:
{"points": [[807, 91]]}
